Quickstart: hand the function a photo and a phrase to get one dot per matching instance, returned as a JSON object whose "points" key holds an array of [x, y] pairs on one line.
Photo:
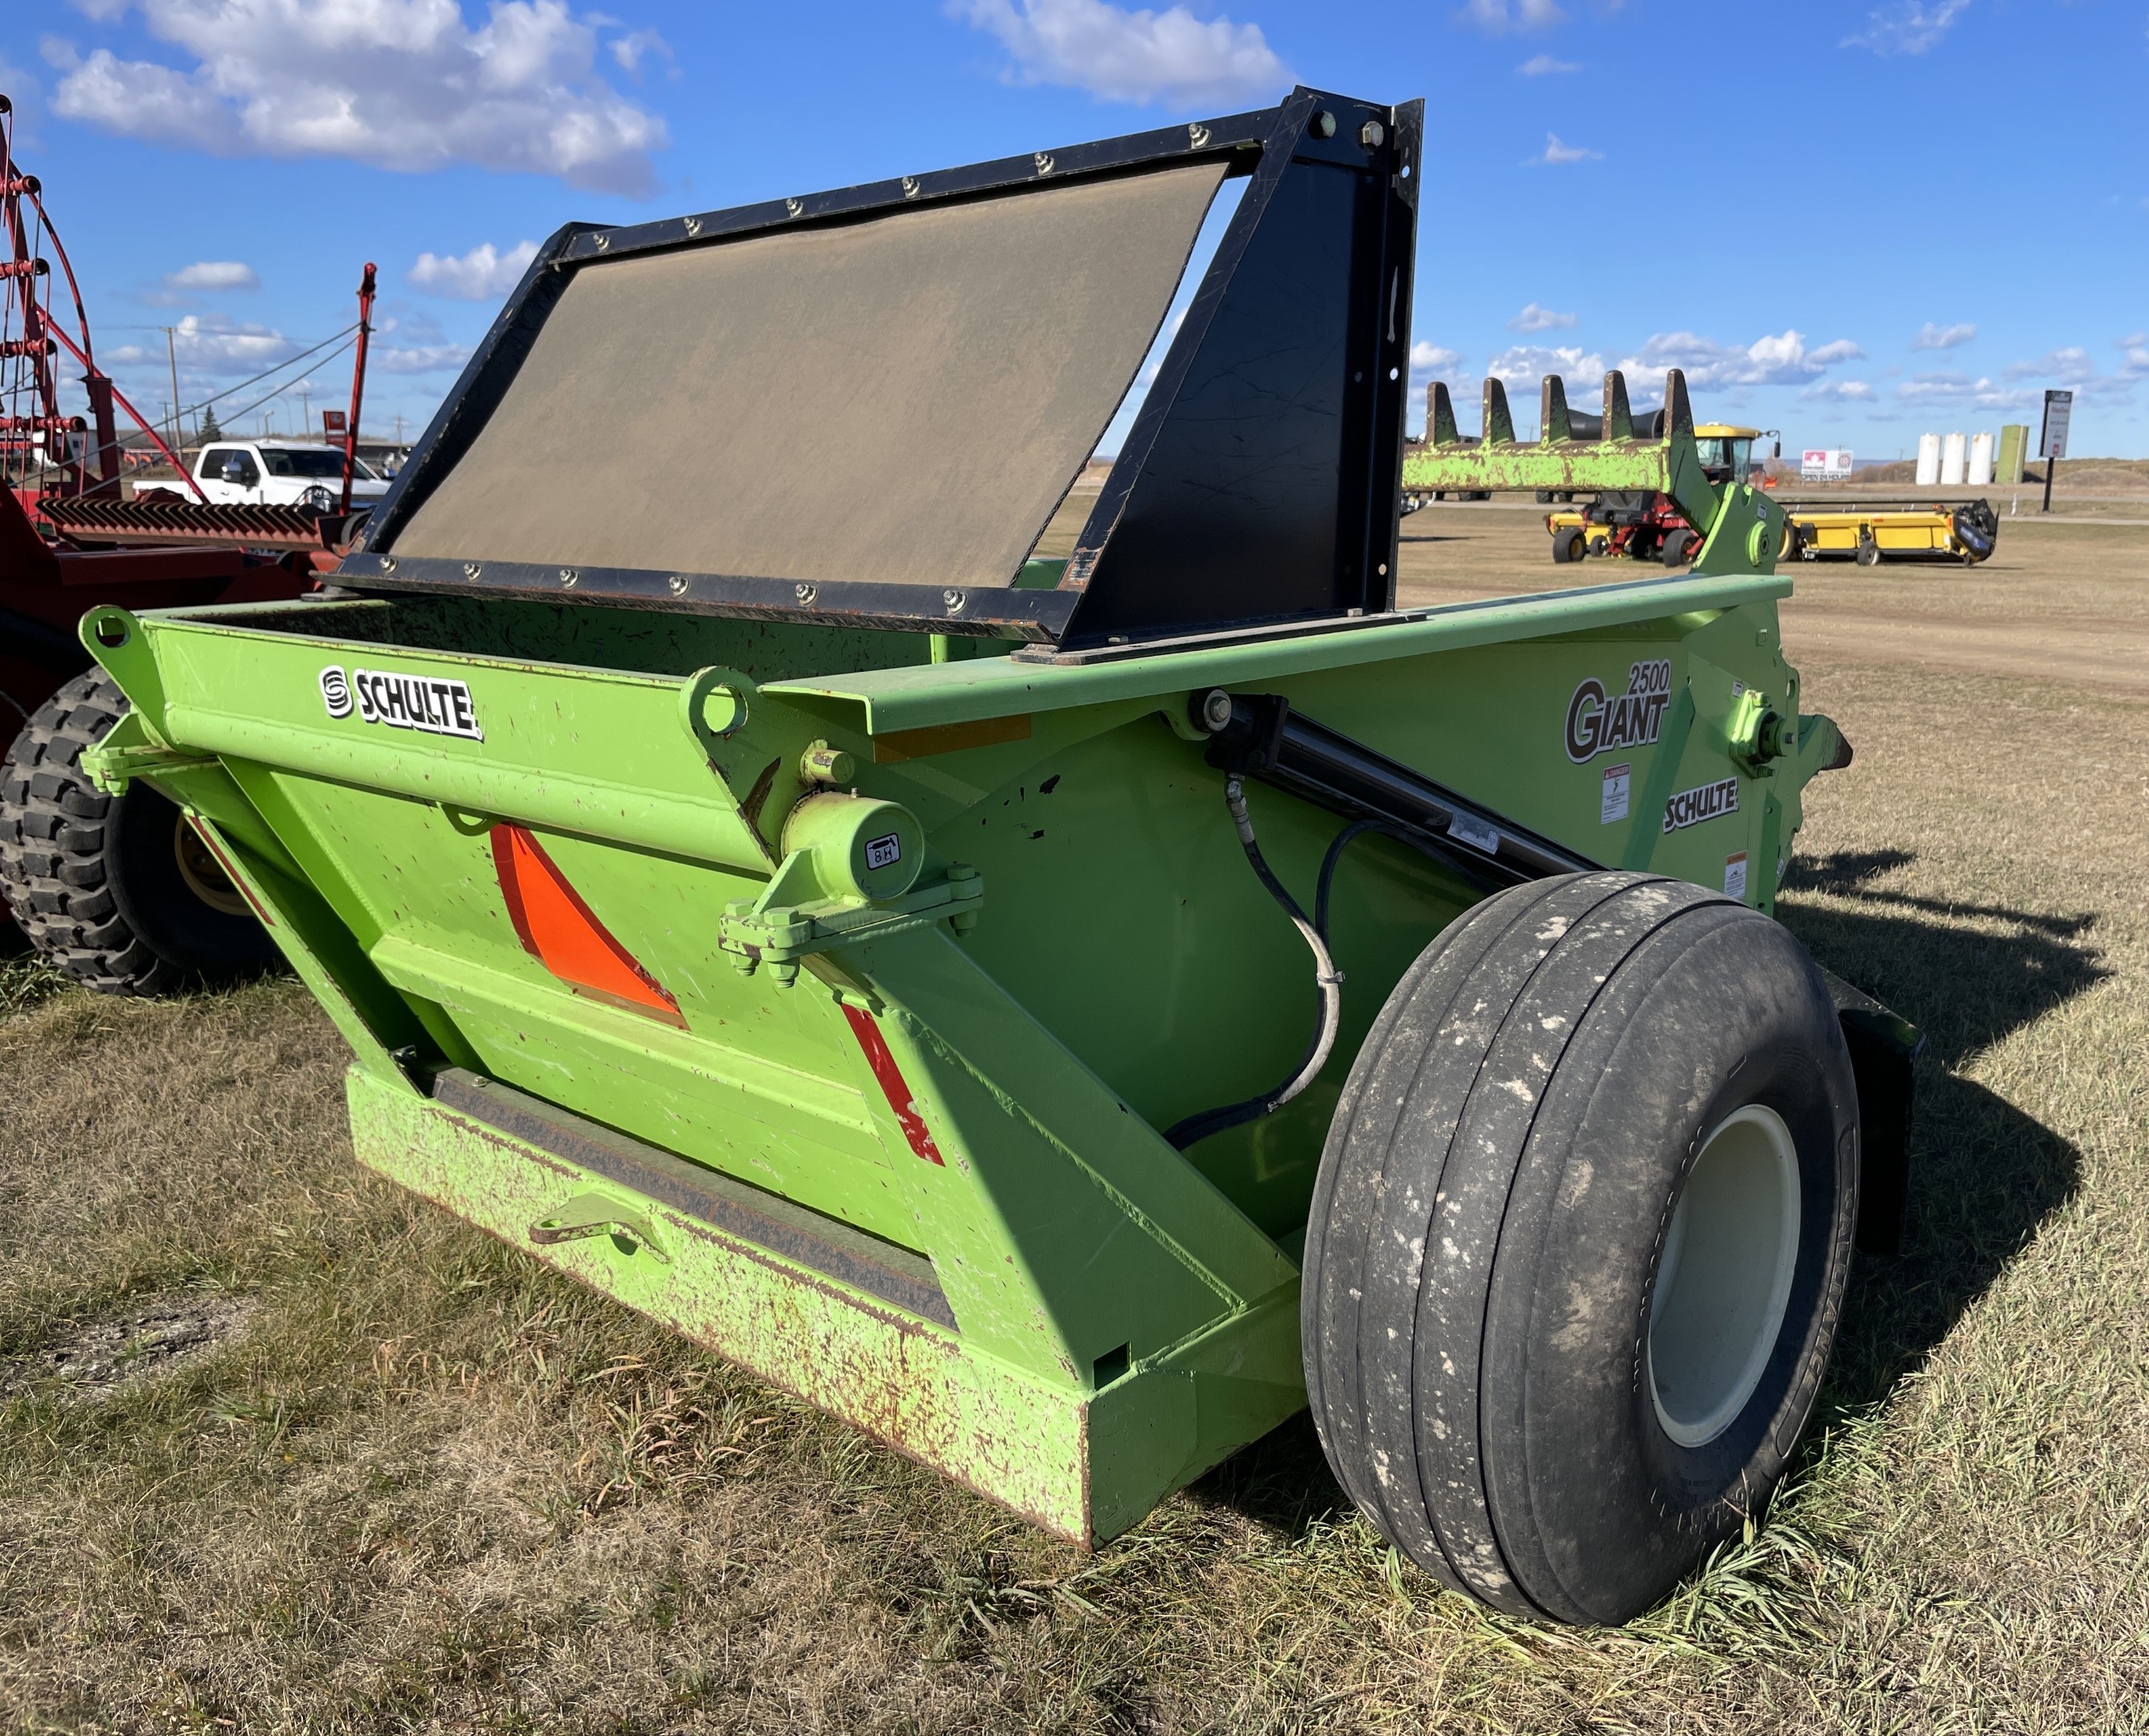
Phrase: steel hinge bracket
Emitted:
{"points": [[767, 930], [130, 749]]}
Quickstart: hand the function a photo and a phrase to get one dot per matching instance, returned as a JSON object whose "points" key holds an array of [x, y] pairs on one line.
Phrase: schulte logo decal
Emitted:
{"points": [[430, 703], [1599, 723], [1705, 801]]}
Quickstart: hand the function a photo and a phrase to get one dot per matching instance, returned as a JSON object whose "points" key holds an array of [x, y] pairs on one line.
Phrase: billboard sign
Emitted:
{"points": [[2059, 408], [1823, 464], [333, 421]]}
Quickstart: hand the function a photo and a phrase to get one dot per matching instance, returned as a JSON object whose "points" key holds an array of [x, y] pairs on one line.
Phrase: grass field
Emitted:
{"points": [[281, 1448]]}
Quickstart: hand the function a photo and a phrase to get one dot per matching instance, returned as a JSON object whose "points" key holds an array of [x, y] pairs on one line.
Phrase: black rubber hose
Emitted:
{"points": [[1327, 979]]}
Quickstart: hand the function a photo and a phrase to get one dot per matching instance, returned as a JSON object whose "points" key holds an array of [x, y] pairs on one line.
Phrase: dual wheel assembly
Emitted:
{"points": [[120, 892], [1579, 1247]]}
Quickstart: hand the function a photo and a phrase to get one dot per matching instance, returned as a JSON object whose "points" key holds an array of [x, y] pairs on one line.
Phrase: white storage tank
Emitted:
{"points": [[1954, 460], [1929, 460], [1980, 461]]}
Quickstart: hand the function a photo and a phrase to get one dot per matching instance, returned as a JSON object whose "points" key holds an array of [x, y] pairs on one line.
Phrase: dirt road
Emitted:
{"points": [[2067, 604]]}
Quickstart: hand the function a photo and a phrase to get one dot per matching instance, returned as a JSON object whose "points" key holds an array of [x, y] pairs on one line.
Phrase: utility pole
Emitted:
{"points": [[305, 412], [171, 356]]}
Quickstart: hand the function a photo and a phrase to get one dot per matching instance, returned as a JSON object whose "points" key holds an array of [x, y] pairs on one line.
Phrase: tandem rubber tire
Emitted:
{"points": [[1517, 1384], [117, 891], [1678, 548], [1569, 547]]}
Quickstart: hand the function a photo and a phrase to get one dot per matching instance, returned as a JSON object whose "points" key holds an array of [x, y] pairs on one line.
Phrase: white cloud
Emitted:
{"points": [[1962, 391], [1556, 153], [1942, 337], [1780, 360], [1498, 16], [631, 50], [401, 84], [418, 358], [1908, 28], [209, 344], [2071, 366], [1534, 318], [1427, 358], [1526, 364], [484, 273], [1840, 391], [1538, 65], [1125, 56], [212, 275]]}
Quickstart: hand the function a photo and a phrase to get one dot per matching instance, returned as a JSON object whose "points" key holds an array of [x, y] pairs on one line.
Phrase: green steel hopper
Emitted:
{"points": [[1055, 1014]]}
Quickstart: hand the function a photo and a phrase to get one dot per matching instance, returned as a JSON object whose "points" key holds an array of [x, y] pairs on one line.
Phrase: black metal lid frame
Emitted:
{"points": [[1260, 483]]}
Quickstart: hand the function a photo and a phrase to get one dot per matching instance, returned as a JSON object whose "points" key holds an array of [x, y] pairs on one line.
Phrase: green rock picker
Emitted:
{"points": [[1062, 1015]]}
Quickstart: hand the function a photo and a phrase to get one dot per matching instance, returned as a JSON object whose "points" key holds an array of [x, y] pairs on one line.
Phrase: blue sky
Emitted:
{"points": [[1852, 223]]}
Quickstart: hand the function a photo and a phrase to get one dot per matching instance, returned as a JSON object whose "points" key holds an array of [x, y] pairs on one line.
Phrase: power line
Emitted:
{"points": [[195, 409], [279, 391]]}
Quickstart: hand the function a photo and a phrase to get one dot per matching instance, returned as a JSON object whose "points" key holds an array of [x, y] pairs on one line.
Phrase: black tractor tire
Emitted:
{"points": [[1569, 547], [1578, 1244], [1677, 547], [1792, 543], [1869, 549], [117, 891]]}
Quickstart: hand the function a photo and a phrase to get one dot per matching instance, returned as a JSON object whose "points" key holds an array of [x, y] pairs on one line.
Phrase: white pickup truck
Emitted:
{"points": [[275, 473]]}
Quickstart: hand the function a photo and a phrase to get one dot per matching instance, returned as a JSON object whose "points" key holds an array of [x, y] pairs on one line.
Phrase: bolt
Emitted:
{"points": [[1370, 135], [954, 600], [820, 764], [805, 593], [1216, 710], [1324, 125]]}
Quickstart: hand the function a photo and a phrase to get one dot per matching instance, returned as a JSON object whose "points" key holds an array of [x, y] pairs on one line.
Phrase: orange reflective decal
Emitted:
{"points": [[563, 934]]}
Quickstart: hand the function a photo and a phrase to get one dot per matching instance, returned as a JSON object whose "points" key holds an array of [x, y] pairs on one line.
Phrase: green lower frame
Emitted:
{"points": [[1083, 1465]]}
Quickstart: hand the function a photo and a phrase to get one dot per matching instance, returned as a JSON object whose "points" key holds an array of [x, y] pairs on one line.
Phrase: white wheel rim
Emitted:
{"points": [[1724, 1279]]}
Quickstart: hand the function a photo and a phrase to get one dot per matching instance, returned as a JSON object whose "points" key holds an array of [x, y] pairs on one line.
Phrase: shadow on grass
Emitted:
{"points": [[1984, 1176]]}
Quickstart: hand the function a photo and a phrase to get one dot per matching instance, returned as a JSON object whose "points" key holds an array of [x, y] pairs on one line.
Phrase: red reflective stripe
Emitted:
{"points": [[891, 1079], [562, 934]]}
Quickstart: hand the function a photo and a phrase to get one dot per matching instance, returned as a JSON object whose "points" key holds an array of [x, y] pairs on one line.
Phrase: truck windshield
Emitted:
{"points": [[326, 463], [1721, 454]]}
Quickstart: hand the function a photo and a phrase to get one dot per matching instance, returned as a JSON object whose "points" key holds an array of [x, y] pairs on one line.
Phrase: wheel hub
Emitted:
{"points": [[1724, 1278]]}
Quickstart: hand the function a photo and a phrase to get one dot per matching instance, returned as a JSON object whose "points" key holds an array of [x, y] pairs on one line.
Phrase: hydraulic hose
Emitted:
{"points": [[1327, 980]]}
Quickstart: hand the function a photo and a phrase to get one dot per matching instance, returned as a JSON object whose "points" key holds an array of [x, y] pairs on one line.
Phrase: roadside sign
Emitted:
{"points": [[333, 422], [2059, 407], [1818, 464]]}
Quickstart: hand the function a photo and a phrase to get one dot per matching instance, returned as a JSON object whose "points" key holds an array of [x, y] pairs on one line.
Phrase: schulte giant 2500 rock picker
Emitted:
{"points": [[1059, 1016]]}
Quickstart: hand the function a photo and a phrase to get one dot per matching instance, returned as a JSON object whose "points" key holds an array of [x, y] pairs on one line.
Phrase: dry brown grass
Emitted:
{"points": [[431, 1487]]}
